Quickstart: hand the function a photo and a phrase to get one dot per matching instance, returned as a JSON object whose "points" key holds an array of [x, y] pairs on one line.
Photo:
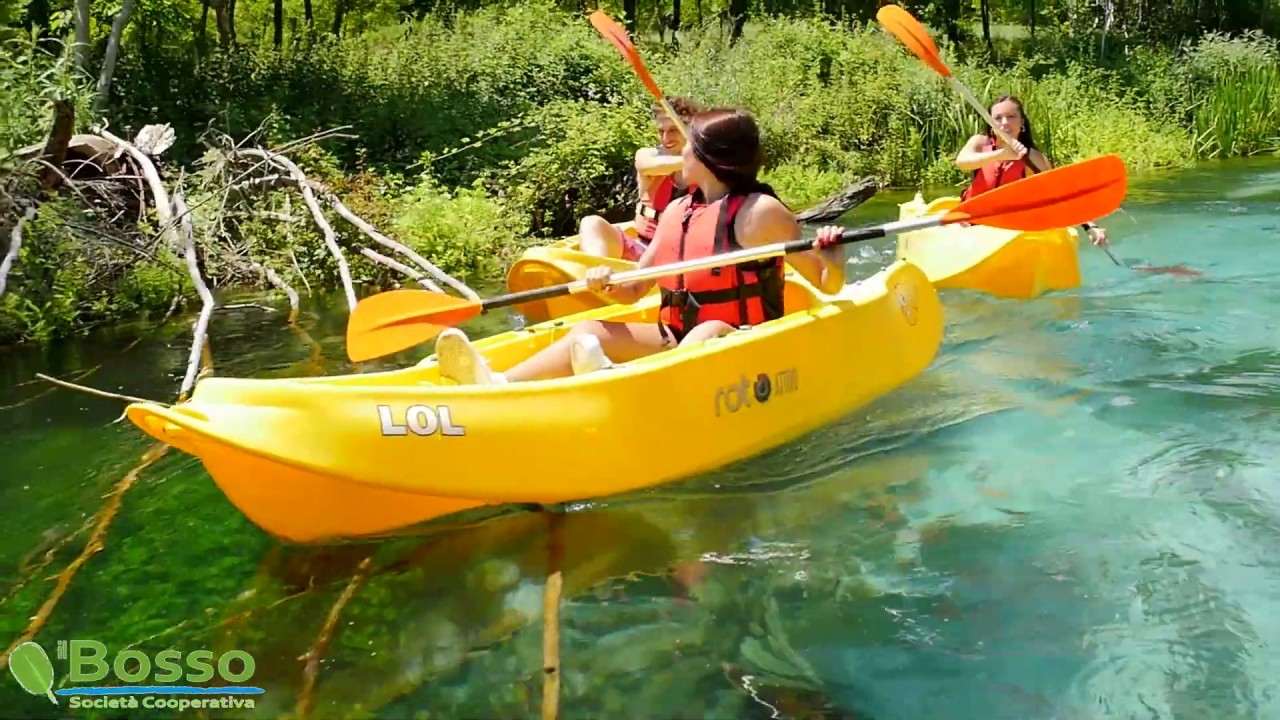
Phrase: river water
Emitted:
{"points": [[1072, 514]]}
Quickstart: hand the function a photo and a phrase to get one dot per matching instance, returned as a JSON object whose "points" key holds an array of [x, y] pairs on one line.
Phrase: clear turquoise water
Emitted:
{"points": [[1072, 514]]}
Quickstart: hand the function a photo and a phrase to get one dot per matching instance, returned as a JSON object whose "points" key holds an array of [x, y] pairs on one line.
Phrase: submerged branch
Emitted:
{"points": [[316, 652], [94, 545]]}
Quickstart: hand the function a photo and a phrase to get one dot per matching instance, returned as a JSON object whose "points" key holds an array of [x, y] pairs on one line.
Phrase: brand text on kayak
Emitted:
{"points": [[746, 393], [419, 420]]}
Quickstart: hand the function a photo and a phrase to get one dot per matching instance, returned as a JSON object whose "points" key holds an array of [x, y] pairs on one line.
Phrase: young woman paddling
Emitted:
{"points": [[728, 209], [994, 164], [659, 176]]}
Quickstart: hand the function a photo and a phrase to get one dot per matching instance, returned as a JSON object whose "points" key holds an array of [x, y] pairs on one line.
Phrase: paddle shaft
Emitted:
{"points": [[723, 259]]}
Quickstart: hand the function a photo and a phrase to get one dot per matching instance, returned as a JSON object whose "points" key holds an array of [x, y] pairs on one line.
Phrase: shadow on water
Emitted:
{"points": [[1071, 514]]}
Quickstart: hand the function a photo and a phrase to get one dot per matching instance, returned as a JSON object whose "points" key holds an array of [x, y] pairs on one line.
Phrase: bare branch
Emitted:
{"points": [[164, 207], [400, 267], [92, 391], [275, 280], [385, 241], [330, 237], [362, 225], [202, 322], [15, 244]]}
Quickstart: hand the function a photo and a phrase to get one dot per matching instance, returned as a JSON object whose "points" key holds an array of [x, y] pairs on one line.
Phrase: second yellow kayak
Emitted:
{"points": [[1003, 263], [559, 262]]}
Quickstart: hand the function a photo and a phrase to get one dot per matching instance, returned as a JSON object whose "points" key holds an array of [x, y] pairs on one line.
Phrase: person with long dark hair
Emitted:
{"points": [[728, 209], [995, 164]]}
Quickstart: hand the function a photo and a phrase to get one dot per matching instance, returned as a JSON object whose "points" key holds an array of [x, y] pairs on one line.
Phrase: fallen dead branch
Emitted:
{"points": [[15, 244], [385, 241], [363, 226], [400, 267], [206, 297], [93, 391], [330, 237], [274, 279], [160, 196]]}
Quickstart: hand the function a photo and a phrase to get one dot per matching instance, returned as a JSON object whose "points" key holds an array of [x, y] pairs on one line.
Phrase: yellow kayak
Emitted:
{"points": [[1003, 263], [559, 262], [318, 458]]}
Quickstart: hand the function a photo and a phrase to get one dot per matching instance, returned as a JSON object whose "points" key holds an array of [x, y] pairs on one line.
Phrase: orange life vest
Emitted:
{"points": [[993, 175], [649, 209], [743, 294]]}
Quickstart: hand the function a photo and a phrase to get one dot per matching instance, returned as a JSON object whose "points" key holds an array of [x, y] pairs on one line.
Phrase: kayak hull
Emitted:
{"points": [[1002, 263], [319, 458], [559, 262]]}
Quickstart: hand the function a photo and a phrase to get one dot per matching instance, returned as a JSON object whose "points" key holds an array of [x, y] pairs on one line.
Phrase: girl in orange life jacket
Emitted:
{"points": [[993, 164], [728, 207], [660, 180]]}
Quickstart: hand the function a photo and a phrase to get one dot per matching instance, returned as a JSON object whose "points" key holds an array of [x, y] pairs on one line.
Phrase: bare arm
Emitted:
{"points": [[764, 220], [650, 162], [973, 157], [626, 293], [1039, 162]]}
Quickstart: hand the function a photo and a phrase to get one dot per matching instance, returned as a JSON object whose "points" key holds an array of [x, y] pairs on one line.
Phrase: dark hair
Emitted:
{"points": [[727, 141], [684, 107], [1024, 136]]}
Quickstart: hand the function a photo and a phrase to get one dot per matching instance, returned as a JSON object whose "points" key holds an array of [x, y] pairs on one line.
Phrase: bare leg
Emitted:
{"points": [[462, 363], [706, 331], [620, 341], [599, 237]]}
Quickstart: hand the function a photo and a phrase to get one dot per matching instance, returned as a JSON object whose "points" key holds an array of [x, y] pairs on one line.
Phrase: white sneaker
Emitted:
{"points": [[462, 363], [586, 355]]}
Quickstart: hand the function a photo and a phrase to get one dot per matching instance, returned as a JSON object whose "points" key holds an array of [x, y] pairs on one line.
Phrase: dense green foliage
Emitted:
{"points": [[473, 132]]}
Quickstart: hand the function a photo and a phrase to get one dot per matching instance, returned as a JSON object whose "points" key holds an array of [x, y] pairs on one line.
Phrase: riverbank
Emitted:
{"points": [[470, 136]]}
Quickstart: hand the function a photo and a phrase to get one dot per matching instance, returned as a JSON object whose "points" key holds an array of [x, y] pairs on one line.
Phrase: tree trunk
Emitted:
{"points": [[339, 9], [306, 13], [675, 21], [82, 34], [222, 18], [985, 7], [278, 20], [629, 8], [738, 10], [201, 44], [113, 51], [1108, 14], [55, 148]]}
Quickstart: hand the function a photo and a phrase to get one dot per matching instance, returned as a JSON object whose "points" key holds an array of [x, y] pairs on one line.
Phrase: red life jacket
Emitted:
{"points": [[660, 196], [743, 294], [994, 174]]}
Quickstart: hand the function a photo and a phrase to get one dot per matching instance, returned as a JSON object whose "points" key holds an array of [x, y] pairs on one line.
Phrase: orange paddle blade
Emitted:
{"points": [[911, 33], [391, 321], [614, 33], [1066, 196]]}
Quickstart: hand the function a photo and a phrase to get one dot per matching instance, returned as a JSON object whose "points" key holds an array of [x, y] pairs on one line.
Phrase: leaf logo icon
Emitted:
{"points": [[33, 671]]}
